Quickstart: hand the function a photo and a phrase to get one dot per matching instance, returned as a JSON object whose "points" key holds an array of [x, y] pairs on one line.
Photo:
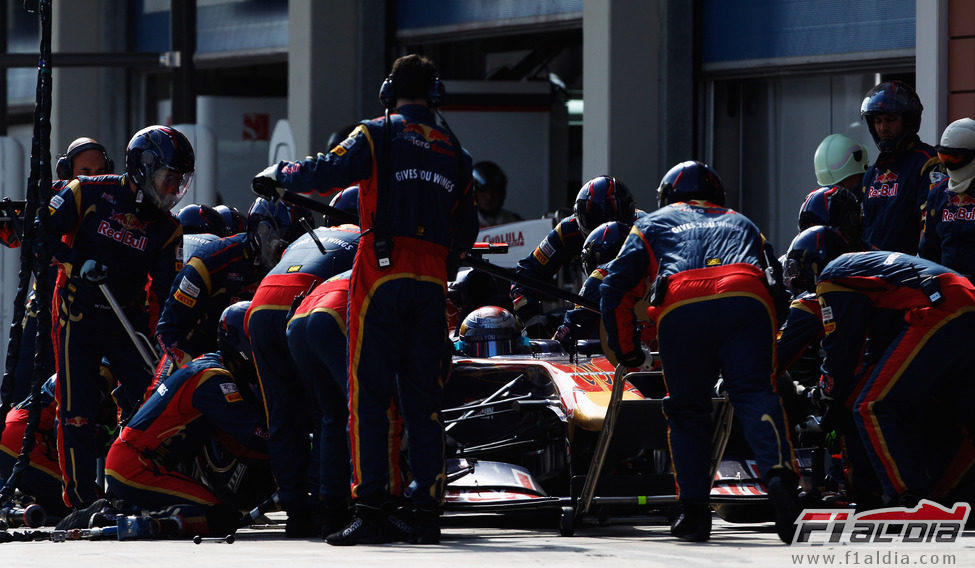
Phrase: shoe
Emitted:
{"points": [[372, 525], [783, 493], [693, 523], [334, 517], [426, 526], [80, 518]]}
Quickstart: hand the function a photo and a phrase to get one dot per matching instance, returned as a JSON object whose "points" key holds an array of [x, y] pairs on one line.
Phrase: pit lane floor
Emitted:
{"points": [[479, 541]]}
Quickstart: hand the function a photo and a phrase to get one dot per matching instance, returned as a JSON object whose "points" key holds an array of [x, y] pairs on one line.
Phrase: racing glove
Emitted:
{"points": [[93, 271], [266, 184], [638, 361]]}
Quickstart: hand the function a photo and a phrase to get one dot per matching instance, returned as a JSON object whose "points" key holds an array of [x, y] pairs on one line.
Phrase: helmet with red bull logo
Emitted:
{"points": [[196, 218], [159, 161], [835, 207], [688, 181], [346, 201], [602, 199], [272, 226], [602, 245], [809, 254]]}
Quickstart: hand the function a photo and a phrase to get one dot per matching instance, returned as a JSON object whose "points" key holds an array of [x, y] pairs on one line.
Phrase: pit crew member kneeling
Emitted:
{"points": [[210, 396]]}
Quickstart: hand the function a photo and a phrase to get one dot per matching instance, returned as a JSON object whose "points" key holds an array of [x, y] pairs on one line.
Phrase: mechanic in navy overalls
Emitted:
{"points": [[218, 274], [808, 255], [704, 267], [291, 408], [211, 397], [949, 227], [897, 329], [117, 230], [417, 212], [601, 199], [895, 188], [317, 340]]}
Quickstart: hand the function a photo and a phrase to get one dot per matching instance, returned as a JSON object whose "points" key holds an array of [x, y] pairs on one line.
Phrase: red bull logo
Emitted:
{"points": [[76, 421], [428, 133], [124, 236], [128, 221], [886, 177], [884, 190]]}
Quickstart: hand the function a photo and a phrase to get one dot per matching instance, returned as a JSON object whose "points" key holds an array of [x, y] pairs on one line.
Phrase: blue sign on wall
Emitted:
{"points": [[735, 30]]}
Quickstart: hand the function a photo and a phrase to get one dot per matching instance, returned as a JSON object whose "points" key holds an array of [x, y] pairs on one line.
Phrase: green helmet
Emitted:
{"points": [[839, 157]]}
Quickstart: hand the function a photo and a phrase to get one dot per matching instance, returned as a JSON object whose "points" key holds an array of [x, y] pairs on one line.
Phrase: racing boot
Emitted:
{"points": [[426, 526], [335, 515], [693, 522], [372, 525], [782, 486]]}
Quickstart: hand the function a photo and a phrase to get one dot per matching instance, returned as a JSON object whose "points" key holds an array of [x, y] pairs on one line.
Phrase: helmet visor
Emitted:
{"points": [[168, 186], [790, 273], [489, 348], [271, 244]]}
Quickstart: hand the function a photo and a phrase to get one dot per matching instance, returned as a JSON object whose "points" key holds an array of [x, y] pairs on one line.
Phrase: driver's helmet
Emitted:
{"points": [[271, 227], [346, 201], [603, 199], [602, 245], [835, 207], [159, 161], [196, 219], [490, 331], [809, 254]]}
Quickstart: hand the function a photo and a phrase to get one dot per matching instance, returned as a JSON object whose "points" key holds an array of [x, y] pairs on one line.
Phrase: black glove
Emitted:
{"points": [[266, 184], [94, 271], [819, 400]]}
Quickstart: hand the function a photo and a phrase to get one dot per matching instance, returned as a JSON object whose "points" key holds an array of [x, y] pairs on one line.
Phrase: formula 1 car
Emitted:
{"points": [[527, 433]]}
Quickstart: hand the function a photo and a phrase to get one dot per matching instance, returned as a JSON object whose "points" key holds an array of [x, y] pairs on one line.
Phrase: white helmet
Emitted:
{"points": [[957, 150], [839, 157]]}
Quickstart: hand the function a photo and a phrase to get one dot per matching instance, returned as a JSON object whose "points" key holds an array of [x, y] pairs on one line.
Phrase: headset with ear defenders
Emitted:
{"points": [[64, 166], [387, 93]]}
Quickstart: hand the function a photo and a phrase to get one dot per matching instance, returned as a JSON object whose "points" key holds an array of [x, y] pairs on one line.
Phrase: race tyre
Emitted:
{"points": [[567, 522]]}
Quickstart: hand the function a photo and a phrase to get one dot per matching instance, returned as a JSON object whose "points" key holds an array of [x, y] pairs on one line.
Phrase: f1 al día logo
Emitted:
{"points": [[928, 522]]}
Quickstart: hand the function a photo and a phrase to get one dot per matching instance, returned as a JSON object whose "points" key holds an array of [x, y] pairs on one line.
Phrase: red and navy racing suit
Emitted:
{"points": [[42, 479], [714, 312], [98, 218], [190, 407], [318, 344], [895, 190], [949, 229], [897, 330], [220, 273], [559, 248], [291, 409], [397, 323], [798, 341]]}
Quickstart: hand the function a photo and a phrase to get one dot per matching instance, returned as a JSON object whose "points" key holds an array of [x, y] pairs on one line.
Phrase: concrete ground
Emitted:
{"points": [[470, 541]]}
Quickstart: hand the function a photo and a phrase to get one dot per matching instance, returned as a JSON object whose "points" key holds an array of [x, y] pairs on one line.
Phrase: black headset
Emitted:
{"points": [[388, 96], [64, 167]]}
